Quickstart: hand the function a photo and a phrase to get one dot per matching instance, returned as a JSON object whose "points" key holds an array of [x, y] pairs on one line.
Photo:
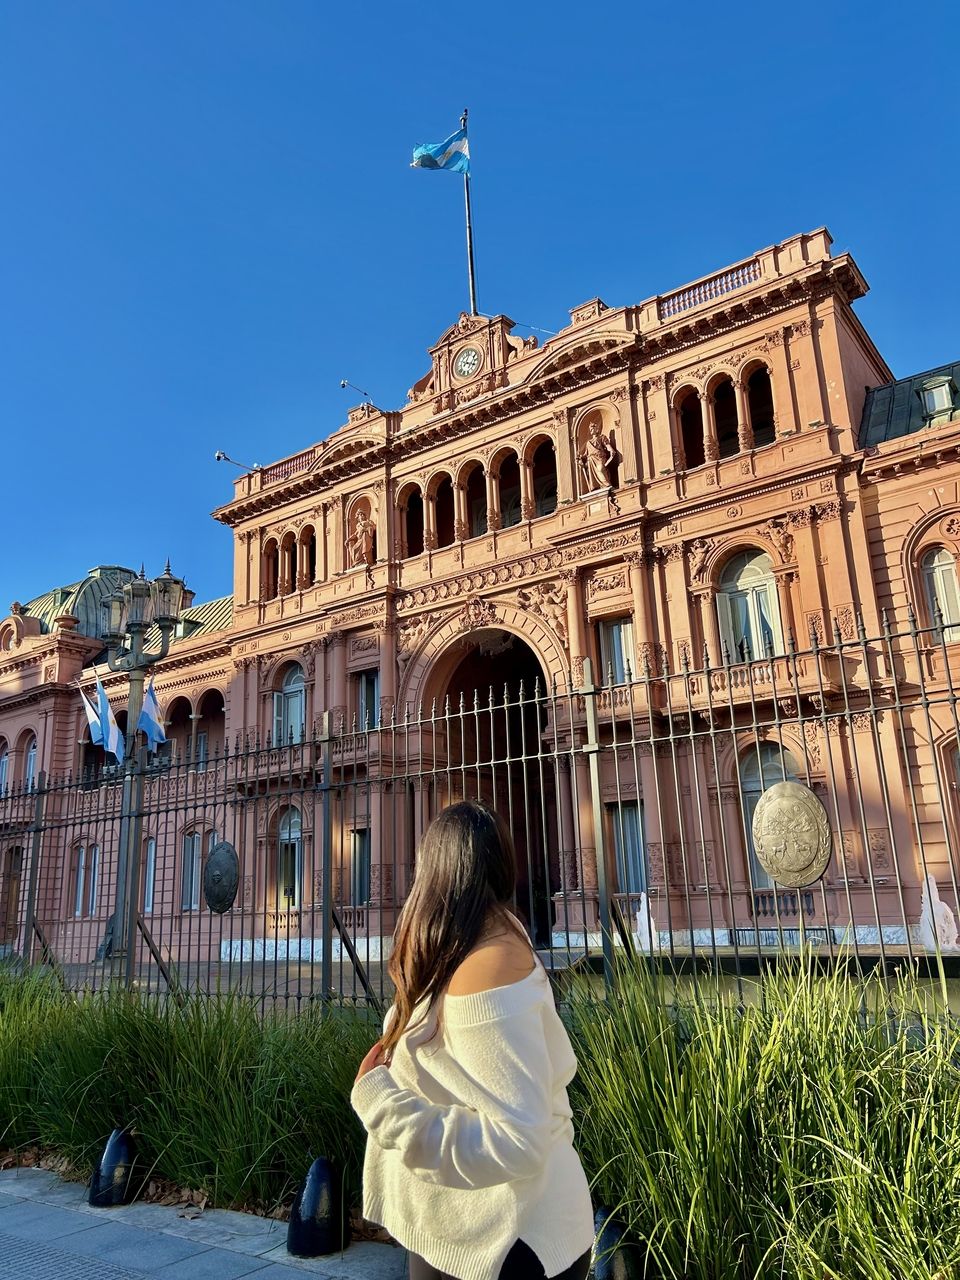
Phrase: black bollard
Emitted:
{"points": [[625, 1263], [318, 1220], [112, 1182]]}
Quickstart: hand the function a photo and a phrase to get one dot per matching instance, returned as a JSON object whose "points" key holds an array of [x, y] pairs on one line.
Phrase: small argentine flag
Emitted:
{"points": [[151, 722], [112, 737], [453, 154], [93, 720]]}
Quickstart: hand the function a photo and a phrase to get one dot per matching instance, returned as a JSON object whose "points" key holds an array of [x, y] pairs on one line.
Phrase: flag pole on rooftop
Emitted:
{"points": [[453, 154]]}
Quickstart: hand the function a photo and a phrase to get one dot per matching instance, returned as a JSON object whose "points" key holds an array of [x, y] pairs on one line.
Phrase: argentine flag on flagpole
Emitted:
{"points": [[453, 154], [151, 722], [111, 736], [93, 720]]}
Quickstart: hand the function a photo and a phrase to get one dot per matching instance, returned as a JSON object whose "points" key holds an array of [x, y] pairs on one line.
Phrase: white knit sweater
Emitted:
{"points": [[470, 1137]]}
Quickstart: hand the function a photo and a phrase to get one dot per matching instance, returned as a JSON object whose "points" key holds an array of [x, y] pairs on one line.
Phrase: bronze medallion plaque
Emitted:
{"points": [[221, 877], [791, 834]]}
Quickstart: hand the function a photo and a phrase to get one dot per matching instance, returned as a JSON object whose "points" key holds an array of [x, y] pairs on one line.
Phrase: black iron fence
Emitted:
{"points": [[631, 803]]}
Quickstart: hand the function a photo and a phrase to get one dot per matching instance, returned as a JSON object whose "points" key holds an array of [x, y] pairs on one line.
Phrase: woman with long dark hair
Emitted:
{"points": [[470, 1161]]}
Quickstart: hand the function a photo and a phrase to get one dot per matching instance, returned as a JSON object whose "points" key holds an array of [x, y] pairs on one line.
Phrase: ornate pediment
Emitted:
{"points": [[469, 361], [559, 355]]}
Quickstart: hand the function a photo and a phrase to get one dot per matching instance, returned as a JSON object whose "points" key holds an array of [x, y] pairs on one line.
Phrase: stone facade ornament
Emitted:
{"points": [[791, 835], [221, 878], [596, 459], [360, 542], [549, 600]]}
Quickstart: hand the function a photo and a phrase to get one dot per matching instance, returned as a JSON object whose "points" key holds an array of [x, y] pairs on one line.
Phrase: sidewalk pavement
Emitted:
{"points": [[49, 1232]]}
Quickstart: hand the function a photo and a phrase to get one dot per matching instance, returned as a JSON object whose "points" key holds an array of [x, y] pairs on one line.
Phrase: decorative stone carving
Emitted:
{"points": [[791, 834], [828, 510], [549, 599], [782, 538], [596, 457], [478, 613], [410, 635], [221, 878], [656, 382]]}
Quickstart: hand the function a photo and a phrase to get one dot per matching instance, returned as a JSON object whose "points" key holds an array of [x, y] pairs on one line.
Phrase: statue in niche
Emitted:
{"points": [[360, 542], [596, 459]]}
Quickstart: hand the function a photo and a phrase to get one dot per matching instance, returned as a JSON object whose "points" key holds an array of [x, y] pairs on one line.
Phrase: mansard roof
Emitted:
{"points": [[79, 599], [895, 409]]}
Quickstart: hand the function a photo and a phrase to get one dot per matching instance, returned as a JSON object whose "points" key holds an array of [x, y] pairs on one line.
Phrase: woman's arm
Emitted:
{"points": [[506, 1137]]}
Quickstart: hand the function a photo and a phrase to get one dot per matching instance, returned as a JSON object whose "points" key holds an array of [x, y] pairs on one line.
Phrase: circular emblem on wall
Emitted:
{"points": [[791, 834], [467, 362], [221, 877]]}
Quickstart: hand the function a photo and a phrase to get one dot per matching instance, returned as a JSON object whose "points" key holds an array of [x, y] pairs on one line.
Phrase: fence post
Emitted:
{"points": [[31, 911], [591, 749], [326, 862], [132, 856]]}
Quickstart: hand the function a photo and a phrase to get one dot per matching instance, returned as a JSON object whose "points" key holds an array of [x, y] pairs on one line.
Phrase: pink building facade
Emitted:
{"points": [[718, 502]]}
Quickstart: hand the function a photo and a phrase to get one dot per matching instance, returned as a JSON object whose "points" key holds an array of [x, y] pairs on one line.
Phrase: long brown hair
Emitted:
{"points": [[466, 873]]}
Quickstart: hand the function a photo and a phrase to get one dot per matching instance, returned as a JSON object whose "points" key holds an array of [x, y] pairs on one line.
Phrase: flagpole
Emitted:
{"points": [[466, 200]]}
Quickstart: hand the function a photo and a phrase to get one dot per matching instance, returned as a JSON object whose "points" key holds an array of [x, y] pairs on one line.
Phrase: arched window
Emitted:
{"points": [[86, 870], [289, 707], [747, 608], [509, 482], [725, 417], [288, 564], [690, 418], [30, 763], [943, 597], [760, 767], [308, 557], [271, 570], [475, 491], [544, 470], [4, 767], [445, 517], [760, 405], [413, 524], [289, 860]]}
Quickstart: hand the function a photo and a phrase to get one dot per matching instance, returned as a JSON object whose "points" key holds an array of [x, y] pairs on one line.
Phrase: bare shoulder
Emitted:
{"points": [[495, 963]]}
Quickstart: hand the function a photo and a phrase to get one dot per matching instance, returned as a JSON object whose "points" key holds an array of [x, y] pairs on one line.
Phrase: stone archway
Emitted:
{"points": [[489, 708]]}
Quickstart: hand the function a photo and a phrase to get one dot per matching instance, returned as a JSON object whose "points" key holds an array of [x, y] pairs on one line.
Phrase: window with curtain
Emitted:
{"points": [[86, 870], [30, 764], [368, 699], [760, 767], [289, 707], [943, 597], [615, 643], [748, 610], [627, 822], [149, 874], [194, 843], [360, 867], [289, 860]]}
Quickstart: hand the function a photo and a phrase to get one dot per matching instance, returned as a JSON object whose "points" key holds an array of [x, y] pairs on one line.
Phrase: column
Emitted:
{"points": [[622, 397], [642, 630], [388, 670], [588, 900], [461, 525], [323, 547], [810, 393], [744, 426], [429, 521], [710, 628], [493, 500], [566, 491], [576, 625], [780, 382], [662, 439], [528, 507], [711, 448], [338, 675]]}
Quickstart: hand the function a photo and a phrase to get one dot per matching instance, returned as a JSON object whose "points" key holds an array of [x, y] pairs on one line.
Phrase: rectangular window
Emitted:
{"points": [[149, 875], [617, 661], [93, 870], [368, 699], [200, 751], [360, 867], [627, 822]]}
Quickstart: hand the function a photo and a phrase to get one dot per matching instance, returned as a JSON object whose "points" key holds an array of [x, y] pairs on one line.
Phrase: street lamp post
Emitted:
{"points": [[127, 617]]}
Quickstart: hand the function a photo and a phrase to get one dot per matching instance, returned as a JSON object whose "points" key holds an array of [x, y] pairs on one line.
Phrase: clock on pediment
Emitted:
{"points": [[467, 362]]}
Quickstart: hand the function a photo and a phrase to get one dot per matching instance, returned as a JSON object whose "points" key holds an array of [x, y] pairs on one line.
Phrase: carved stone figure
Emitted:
{"points": [[550, 600], [699, 552], [596, 458], [937, 923], [360, 543], [782, 539]]}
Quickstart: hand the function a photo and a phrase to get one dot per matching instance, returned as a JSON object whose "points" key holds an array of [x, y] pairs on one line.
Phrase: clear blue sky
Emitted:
{"points": [[208, 216]]}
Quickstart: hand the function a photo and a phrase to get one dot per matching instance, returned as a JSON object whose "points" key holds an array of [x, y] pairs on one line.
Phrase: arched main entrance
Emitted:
{"points": [[490, 714]]}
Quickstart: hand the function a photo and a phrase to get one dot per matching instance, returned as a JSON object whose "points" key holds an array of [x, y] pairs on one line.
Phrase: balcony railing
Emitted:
{"points": [[709, 290]]}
